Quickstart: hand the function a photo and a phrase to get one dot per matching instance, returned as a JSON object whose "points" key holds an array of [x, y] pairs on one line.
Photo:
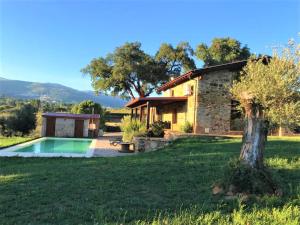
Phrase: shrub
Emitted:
{"points": [[248, 180], [90, 107], [132, 128], [187, 127], [157, 129], [19, 122]]}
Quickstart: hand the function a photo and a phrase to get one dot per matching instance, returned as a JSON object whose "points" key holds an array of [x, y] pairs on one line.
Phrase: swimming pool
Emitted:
{"points": [[52, 147]]}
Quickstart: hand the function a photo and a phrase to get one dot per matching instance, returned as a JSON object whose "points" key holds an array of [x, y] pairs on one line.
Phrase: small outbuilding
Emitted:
{"points": [[70, 125]]}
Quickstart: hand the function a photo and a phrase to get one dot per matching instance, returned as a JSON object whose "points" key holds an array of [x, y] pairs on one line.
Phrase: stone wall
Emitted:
{"points": [[145, 144], [214, 102], [208, 109], [64, 127]]}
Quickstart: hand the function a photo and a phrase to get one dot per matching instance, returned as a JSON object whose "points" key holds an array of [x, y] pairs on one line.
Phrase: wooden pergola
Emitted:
{"points": [[138, 104]]}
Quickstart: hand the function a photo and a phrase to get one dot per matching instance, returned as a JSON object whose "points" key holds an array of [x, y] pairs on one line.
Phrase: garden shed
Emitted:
{"points": [[70, 125]]}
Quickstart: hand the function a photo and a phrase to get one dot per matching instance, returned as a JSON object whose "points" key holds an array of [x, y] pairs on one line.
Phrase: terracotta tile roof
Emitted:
{"points": [[238, 65], [155, 101], [71, 116]]}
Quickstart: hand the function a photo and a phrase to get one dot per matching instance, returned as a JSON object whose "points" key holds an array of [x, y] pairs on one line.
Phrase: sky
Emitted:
{"points": [[51, 40]]}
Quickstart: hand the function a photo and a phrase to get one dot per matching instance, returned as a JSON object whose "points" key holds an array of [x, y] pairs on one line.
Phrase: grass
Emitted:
{"points": [[7, 141], [171, 186]]}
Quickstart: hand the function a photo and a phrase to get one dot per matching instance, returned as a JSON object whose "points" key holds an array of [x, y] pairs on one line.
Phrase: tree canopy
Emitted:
{"points": [[129, 71], [174, 59], [268, 90], [90, 107], [222, 50], [274, 85]]}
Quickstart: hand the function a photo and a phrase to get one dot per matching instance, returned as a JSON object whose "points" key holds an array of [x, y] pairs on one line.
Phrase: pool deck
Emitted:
{"points": [[100, 147]]}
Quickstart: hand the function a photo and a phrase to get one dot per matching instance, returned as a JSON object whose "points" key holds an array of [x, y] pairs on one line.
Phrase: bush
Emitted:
{"points": [[157, 129], [90, 107], [20, 122], [248, 180], [187, 127], [132, 128]]}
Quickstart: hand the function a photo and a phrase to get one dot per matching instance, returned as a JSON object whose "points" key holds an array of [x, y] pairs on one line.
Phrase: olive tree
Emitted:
{"points": [[268, 91]]}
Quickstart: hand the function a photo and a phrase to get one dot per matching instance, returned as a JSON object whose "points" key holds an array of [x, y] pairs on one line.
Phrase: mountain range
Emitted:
{"points": [[54, 92]]}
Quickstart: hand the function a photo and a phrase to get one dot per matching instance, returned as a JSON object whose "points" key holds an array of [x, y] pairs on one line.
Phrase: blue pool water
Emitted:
{"points": [[58, 145]]}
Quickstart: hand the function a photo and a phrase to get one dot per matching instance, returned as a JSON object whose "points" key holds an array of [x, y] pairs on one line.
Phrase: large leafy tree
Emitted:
{"points": [[175, 59], [222, 50], [126, 72], [130, 72], [268, 91]]}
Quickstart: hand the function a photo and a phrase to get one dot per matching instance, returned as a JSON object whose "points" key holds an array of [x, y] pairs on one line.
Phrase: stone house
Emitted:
{"points": [[70, 125], [200, 96]]}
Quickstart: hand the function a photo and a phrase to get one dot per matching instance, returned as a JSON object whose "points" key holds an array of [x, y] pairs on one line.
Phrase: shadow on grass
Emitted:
{"points": [[179, 177]]}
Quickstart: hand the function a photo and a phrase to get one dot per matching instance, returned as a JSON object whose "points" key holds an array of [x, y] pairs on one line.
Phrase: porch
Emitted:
{"points": [[151, 109]]}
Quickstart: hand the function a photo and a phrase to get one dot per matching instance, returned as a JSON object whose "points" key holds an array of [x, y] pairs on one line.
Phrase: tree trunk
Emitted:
{"points": [[254, 137]]}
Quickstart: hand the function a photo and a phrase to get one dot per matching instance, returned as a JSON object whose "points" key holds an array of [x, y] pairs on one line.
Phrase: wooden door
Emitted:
{"points": [[50, 126], [78, 131]]}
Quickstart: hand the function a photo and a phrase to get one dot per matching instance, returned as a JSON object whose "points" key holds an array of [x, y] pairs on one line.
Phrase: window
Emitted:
{"points": [[192, 90], [174, 116], [172, 93]]}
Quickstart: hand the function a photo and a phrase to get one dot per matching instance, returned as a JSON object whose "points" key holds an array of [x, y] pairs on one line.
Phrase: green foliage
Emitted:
{"points": [[175, 59], [245, 179], [222, 50], [157, 129], [20, 122], [125, 71], [274, 85], [38, 127], [55, 107], [187, 127], [90, 107], [132, 128], [129, 70]]}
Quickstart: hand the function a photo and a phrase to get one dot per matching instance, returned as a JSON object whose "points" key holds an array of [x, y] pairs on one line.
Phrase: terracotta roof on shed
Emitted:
{"points": [[72, 116]]}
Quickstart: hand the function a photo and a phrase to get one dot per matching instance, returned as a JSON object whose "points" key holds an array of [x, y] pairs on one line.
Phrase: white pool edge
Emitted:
{"points": [[11, 151]]}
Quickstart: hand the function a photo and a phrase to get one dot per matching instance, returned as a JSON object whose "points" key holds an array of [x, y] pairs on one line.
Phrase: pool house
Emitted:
{"points": [[70, 125]]}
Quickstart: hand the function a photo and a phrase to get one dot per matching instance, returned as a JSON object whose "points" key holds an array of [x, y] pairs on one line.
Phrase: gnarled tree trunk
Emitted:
{"points": [[254, 137]]}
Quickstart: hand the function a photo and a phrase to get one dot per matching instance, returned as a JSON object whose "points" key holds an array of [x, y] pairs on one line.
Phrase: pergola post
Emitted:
{"points": [[135, 116], [141, 113], [131, 115], [148, 115]]}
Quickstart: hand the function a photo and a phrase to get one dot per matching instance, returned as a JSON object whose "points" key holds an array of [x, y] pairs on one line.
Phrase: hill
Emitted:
{"points": [[53, 92]]}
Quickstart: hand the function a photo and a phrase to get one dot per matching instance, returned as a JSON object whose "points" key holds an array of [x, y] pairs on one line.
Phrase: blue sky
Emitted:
{"points": [[50, 41]]}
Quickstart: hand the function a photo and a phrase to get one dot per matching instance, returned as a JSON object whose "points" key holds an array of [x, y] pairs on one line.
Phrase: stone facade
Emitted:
{"points": [[214, 103], [64, 127], [208, 107]]}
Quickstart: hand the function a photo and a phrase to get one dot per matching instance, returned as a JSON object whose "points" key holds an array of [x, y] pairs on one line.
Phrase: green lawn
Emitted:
{"points": [[171, 186], [6, 141]]}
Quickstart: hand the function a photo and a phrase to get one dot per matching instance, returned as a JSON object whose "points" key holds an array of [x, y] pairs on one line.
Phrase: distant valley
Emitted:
{"points": [[53, 92]]}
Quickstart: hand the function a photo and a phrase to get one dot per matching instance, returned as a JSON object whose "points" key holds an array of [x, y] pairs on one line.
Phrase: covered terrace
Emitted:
{"points": [[146, 108]]}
